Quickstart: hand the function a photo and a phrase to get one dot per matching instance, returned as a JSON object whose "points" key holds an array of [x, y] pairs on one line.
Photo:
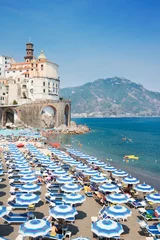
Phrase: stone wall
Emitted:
{"points": [[31, 114]]}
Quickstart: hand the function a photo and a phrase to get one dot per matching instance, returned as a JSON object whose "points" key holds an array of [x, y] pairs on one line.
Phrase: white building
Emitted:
{"points": [[34, 79], [5, 63], [3, 94]]}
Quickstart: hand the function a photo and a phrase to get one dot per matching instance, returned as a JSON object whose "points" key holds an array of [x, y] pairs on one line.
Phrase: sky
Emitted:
{"points": [[88, 39]]}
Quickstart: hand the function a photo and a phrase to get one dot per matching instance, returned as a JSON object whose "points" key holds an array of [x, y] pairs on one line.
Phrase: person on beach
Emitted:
{"points": [[54, 230]]}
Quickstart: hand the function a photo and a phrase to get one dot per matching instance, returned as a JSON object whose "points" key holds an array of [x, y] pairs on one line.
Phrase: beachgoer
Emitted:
{"points": [[54, 230]]}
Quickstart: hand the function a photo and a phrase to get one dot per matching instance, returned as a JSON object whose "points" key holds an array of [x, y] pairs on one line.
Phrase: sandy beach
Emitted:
{"points": [[82, 225]]}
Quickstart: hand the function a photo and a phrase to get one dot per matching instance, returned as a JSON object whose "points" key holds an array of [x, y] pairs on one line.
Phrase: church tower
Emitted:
{"points": [[29, 52]]}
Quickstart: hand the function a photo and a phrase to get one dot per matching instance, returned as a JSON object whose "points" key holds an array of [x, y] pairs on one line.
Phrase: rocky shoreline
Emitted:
{"points": [[72, 129]]}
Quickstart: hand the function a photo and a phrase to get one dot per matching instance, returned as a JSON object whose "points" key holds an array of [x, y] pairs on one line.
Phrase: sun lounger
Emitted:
{"points": [[2, 238], [15, 205], [153, 230], [56, 237], [149, 215], [16, 218], [136, 203], [89, 194]]}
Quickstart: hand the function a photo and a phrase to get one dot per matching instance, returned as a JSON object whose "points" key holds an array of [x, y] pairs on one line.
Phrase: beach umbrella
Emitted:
{"points": [[63, 211], [74, 163], [71, 188], [28, 178], [90, 172], [98, 179], [157, 210], [107, 228], [130, 180], [35, 228], [74, 198], [117, 198], [29, 187], [144, 188], [27, 198], [3, 211], [22, 167], [53, 167], [109, 187], [64, 179], [99, 164], [109, 168], [118, 212], [26, 172], [82, 167], [59, 173], [154, 197], [92, 159], [120, 173]]}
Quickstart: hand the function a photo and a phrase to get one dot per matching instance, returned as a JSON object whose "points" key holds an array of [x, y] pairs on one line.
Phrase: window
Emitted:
{"points": [[41, 67], [4, 94], [44, 90], [7, 72], [27, 70], [43, 83], [20, 70], [0, 73], [36, 65], [32, 64], [32, 69], [32, 82], [6, 62], [13, 71]]}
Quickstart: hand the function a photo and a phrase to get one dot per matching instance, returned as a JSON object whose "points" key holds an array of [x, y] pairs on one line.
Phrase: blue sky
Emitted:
{"points": [[89, 39]]}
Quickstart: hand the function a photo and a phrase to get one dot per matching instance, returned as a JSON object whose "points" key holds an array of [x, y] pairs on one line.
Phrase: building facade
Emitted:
{"points": [[5, 63]]}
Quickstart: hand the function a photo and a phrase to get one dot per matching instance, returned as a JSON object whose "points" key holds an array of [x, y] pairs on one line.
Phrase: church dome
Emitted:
{"points": [[42, 56]]}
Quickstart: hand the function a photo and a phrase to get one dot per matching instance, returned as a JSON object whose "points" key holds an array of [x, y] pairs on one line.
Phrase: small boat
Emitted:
{"points": [[131, 157]]}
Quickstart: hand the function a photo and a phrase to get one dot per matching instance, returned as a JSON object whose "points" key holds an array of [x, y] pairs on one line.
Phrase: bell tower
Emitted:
{"points": [[29, 52]]}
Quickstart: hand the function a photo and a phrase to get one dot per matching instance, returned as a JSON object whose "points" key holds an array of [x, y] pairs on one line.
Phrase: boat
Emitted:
{"points": [[131, 157]]}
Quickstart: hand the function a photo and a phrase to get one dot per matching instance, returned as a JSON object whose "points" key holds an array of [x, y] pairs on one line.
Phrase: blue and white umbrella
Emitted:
{"points": [[109, 168], [71, 188], [3, 211], [117, 198], [98, 179], [118, 212], [99, 164], [30, 187], [63, 211], [26, 172], [107, 228], [144, 188], [74, 163], [74, 198], [60, 173], [35, 228], [120, 173], [22, 167], [109, 187], [130, 180], [92, 159], [28, 178], [27, 198], [153, 197], [53, 167], [82, 167], [64, 179], [90, 172]]}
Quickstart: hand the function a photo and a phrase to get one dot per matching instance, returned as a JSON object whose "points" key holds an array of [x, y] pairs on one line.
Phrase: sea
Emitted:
{"points": [[110, 139]]}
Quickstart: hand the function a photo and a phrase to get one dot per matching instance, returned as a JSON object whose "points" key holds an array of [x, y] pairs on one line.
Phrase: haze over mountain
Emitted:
{"points": [[112, 97]]}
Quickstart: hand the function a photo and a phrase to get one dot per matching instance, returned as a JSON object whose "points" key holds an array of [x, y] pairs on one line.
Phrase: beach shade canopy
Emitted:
{"points": [[130, 180], [144, 188], [82, 167], [59, 173], [71, 188], [90, 172], [35, 228], [26, 172], [153, 197], [28, 178], [63, 211], [30, 187], [99, 164], [107, 228], [120, 173], [109, 187], [27, 198], [64, 179], [92, 159], [3, 211], [74, 198], [118, 212], [22, 167], [109, 168], [74, 163], [117, 198], [53, 167], [98, 179]]}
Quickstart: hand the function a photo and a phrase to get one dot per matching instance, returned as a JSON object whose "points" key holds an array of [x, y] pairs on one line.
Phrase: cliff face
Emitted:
{"points": [[112, 97]]}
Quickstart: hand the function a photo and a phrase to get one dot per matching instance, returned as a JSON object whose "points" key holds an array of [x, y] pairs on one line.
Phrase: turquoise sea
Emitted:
{"points": [[105, 142]]}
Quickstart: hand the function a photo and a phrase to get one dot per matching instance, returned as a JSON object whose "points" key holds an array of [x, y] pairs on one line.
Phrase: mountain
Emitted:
{"points": [[112, 97]]}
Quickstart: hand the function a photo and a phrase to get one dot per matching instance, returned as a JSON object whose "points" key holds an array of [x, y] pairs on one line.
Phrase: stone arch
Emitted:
{"points": [[9, 115], [66, 115], [48, 116]]}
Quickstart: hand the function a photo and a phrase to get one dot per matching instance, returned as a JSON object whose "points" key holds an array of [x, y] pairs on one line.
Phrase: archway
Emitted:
{"points": [[66, 115], [9, 116], [48, 117]]}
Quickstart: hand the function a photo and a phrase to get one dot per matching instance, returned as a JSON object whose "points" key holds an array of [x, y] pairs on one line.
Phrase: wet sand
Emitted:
{"points": [[82, 225]]}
